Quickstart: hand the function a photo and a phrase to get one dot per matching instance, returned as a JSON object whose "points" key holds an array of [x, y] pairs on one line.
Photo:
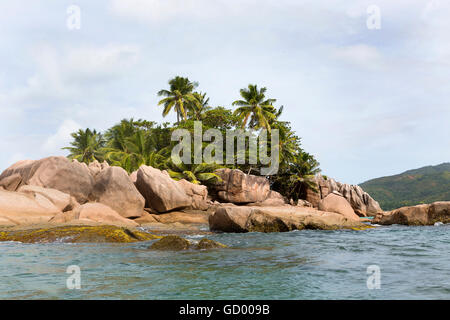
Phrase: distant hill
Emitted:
{"points": [[424, 185]]}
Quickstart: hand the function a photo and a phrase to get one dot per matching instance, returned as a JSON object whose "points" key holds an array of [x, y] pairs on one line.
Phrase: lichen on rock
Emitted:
{"points": [[171, 243], [78, 234], [177, 243], [209, 244]]}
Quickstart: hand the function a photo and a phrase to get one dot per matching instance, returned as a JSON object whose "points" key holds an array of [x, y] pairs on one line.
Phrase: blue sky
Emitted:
{"points": [[367, 103]]}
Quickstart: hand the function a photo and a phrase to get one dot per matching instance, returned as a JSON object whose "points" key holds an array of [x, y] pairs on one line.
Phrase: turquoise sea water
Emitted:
{"points": [[414, 264]]}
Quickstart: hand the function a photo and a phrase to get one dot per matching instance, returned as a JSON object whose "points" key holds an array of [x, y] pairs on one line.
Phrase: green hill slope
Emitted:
{"points": [[424, 185]]}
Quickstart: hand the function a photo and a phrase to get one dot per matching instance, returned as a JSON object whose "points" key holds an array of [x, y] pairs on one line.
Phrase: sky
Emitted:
{"points": [[367, 99]]}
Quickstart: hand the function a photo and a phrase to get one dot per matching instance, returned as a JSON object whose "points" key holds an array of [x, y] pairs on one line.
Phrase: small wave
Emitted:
{"points": [[195, 236], [437, 224], [10, 242]]}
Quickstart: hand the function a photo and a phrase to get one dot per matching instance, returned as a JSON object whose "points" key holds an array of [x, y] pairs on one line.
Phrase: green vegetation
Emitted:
{"points": [[77, 234], [86, 145], [132, 143], [255, 107], [424, 185], [195, 173]]}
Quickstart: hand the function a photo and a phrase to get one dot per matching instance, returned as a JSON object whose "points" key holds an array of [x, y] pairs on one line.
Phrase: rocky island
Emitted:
{"points": [[38, 197]]}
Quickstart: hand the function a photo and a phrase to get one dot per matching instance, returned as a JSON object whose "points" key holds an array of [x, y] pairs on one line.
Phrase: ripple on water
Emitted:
{"points": [[304, 264]]}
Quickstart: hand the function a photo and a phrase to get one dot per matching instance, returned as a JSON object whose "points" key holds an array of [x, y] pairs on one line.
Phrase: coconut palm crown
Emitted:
{"points": [[255, 107], [178, 97]]}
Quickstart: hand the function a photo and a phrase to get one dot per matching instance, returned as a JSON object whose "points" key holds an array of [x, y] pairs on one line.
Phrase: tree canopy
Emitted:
{"points": [[132, 143]]}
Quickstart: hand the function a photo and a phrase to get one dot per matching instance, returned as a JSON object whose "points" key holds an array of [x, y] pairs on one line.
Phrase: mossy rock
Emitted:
{"points": [[362, 228], [78, 234], [209, 244], [176, 243], [171, 243]]}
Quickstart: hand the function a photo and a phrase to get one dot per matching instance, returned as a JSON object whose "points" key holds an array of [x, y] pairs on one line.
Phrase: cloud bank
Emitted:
{"points": [[366, 102]]}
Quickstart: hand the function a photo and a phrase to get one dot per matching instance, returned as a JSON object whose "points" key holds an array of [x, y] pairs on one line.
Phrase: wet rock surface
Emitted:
{"points": [[177, 243], [77, 234]]}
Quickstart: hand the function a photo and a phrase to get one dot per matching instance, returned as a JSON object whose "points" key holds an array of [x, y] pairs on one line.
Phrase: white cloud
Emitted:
{"points": [[65, 73], [353, 94], [361, 55], [157, 10], [96, 63], [61, 138]]}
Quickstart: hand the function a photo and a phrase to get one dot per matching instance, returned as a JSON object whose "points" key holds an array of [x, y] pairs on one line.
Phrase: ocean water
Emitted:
{"points": [[414, 263]]}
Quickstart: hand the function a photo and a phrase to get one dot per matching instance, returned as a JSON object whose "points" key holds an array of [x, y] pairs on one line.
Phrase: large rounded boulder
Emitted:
{"points": [[420, 215], [197, 193], [338, 204], [114, 188], [93, 213], [362, 203], [24, 209], [160, 191], [62, 201], [238, 187], [58, 173]]}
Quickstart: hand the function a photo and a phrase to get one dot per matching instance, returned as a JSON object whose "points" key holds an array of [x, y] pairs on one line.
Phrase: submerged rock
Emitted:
{"points": [[176, 243], [209, 244], [171, 243], [77, 234]]}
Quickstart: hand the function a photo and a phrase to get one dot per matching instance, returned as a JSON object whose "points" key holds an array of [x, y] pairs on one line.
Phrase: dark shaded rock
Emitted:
{"points": [[12, 182], [171, 243], [205, 244]]}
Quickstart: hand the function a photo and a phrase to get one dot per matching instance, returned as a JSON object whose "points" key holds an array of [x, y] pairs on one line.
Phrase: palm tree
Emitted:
{"points": [[86, 146], [117, 135], [139, 150], [194, 173], [289, 143], [294, 181], [197, 109], [178, 97], [303, 172], [255, 107]]}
